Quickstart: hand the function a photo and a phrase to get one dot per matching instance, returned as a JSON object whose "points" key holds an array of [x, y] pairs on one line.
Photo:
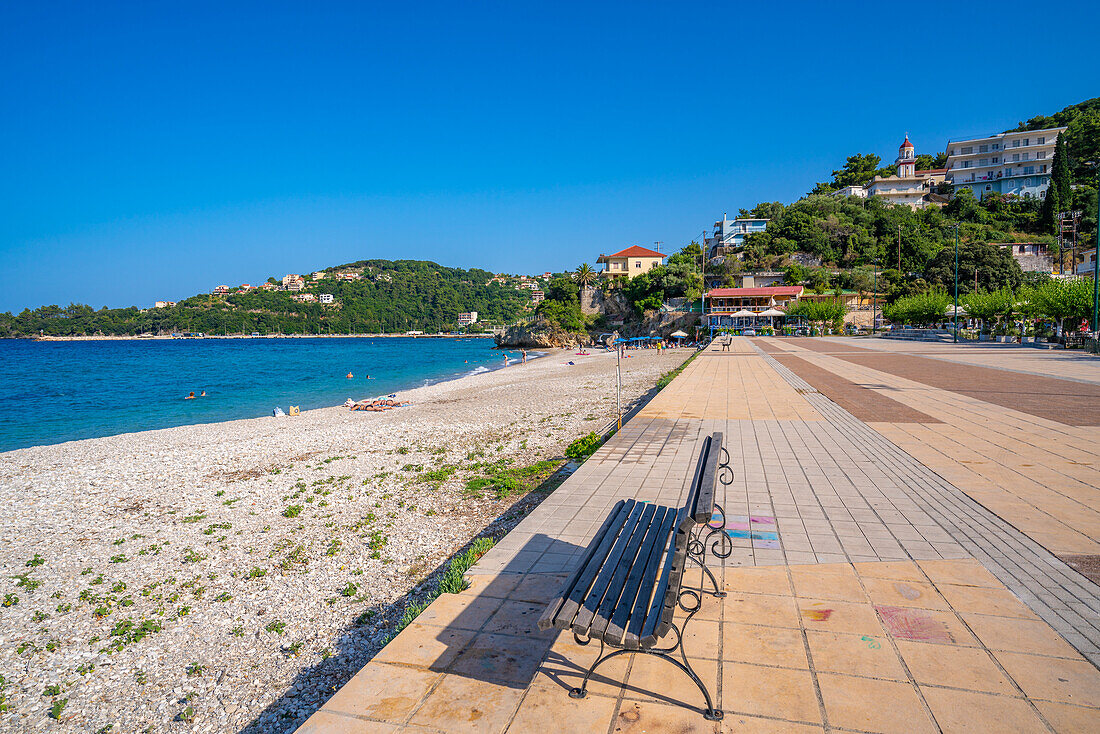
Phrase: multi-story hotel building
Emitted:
{"points": [[729, 234], [1008, 163]]}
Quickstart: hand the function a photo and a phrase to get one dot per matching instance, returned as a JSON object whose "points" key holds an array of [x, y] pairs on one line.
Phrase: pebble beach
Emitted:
{"points": [[231, 576]]}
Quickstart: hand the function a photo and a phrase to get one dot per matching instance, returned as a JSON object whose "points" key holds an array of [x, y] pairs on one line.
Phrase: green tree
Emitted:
{"points": [[858, 169], [921, 309], [995, 268], [1060, 177], [990, 306]]}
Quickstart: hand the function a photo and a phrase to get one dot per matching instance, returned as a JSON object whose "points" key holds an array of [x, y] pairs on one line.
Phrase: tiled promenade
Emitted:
{"points": [[899, 570]]}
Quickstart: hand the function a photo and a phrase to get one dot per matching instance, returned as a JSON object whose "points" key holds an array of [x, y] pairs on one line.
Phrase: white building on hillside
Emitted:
{"points": [[910, 187], [325, 297], [1015, 163], [729, 234], [465, 319]]}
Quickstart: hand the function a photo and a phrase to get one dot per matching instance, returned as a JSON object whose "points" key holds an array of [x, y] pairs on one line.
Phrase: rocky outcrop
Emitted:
{"points": [[534, 336]]}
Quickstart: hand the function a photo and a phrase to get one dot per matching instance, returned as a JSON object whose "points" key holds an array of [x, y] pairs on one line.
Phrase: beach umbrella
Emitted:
{"points": [[773, 312], [678, 335], [743, 313], [950, 310]]}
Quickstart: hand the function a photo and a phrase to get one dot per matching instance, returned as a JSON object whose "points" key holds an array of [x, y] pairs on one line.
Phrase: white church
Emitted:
{"points": [[910, 186]]}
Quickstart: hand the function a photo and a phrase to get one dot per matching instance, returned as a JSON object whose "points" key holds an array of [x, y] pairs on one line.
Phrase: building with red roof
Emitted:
{"points": [[724, 304], [630, 262]]}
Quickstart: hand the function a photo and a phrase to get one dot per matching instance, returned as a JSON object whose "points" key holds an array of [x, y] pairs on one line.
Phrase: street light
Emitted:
{"points": [[955, 315], [874, 317], [1095, 261]]}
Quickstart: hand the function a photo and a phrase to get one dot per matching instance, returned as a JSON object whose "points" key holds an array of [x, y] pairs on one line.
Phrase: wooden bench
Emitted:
{"points": [[629, 582]]}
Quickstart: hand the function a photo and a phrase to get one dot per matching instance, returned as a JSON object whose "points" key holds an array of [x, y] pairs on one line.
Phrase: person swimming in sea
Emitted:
{"points": [[350, 375], [190, 395], [202, 394]]}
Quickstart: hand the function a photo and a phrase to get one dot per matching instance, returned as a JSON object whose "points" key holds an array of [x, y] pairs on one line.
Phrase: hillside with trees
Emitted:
{"points": [[389, 296]]}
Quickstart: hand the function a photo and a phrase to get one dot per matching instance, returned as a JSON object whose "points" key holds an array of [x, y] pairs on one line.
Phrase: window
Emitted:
{"points": [[1015, 143], [1027, 141], [637, 264], [996, 159], [1041, 154], [1042, 141], [996, 146], [1028, 170], [966, 164], [1043, 168], [983, 162], [968, 150], [951, 152], [1015, 157]]}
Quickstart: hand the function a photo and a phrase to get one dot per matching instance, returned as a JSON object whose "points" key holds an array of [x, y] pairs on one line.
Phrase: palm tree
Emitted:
{"points": [[584, 275]]}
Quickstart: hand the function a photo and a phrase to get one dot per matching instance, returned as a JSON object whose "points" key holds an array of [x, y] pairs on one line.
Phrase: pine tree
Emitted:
{"points": [[1060, 177]]}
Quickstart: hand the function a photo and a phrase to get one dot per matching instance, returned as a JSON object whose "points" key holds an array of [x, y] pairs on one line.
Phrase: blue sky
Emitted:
{"points": [[154, 150]]}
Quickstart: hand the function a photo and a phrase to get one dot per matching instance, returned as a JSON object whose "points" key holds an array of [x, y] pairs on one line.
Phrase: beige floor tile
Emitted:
{"points": [[896, 570], [463, 704], [701, 639], [424, 646], [827, 581], [854, 655], [548, 702], [979, 600], [964, 572], [741, 724], [777, 611], [459, 611], [955, 667], [839, 616], [1054, 679], [568, 671], [774, 692], [383, 692], [518, 618], [758, 580], [538, 588], [1066, 718], [499, 586], [921, 595], [873, 705], [780, 646], [327, 722], [645, 717], [502, 658], [654, 679], [925, 625], [966, 711], [1019, 635]]}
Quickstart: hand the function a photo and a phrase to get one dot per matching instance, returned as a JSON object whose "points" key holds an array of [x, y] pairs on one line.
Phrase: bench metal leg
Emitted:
{"points": [[710, 713]]}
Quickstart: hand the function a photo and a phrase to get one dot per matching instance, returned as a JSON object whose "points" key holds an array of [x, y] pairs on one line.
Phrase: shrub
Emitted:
{"points": [[584, 447]]}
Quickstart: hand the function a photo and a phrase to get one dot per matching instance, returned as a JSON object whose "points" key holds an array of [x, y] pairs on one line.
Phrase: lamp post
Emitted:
{"points": [[874, 317], [955, 314], [1096, 266]]}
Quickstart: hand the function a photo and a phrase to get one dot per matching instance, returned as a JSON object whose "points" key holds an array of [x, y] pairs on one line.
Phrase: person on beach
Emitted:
{"points": [[524, 353], [190, 395]]}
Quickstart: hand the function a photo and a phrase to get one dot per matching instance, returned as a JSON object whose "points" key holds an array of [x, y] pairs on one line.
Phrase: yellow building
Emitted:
{"points": [[630, 262]]}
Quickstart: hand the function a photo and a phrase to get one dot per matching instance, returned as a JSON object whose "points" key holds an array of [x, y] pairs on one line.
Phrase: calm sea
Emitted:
{"points": [[61, 391]]}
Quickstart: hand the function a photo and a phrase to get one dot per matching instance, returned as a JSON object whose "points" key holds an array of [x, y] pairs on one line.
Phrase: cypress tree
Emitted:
{"points": [[1060, 177], [1048, 214]]}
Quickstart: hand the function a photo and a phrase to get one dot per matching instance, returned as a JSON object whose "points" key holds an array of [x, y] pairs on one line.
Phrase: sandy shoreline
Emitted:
{"points": [[194, 529]]}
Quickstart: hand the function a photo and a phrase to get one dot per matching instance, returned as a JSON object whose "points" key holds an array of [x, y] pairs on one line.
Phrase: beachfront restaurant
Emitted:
{"points": [[748, 308]]}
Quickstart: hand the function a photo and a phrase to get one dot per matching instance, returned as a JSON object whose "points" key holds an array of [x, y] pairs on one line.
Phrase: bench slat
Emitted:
{"points": [[576, 596], [617, 589], [704, 499], [592, 555], [628, 619], [595, 595], [654, 615]]}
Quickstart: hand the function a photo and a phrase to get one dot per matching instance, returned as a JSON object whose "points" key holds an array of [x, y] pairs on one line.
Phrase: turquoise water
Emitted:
{"points": [[60, 391]]}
